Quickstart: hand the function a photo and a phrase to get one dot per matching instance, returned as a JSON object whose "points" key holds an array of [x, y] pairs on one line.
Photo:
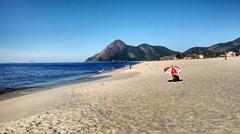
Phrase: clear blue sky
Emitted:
{"points": [[72, 30]]}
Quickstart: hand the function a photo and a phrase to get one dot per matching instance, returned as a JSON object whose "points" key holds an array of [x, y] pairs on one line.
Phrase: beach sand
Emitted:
{"points": [[137, 100]]}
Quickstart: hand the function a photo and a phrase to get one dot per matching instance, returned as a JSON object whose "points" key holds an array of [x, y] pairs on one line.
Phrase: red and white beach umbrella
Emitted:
{"points": [[172, 70]]}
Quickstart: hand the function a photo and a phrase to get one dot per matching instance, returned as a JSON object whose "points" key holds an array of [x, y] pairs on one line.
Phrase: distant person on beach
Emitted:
{"points": [[130, 66], [225, 56]]}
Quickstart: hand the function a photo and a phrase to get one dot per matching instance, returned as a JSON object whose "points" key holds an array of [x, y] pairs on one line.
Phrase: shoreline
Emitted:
{"points": [[55, 95], [16, 92], [26, 91]]}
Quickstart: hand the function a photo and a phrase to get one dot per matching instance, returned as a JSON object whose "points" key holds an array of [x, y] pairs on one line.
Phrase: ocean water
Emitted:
{"points": [[32, 76]]}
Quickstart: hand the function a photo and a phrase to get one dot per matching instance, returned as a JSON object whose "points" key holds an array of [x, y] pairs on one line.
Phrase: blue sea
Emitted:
{"points": [[34, 76]]}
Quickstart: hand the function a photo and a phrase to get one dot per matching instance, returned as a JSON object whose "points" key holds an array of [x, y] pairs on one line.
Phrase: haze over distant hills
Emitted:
{"points": [[120, 51]]}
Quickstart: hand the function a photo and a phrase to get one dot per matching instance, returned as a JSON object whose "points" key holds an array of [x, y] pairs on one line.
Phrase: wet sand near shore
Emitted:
{"points": [[137, 100], [25, 91]]}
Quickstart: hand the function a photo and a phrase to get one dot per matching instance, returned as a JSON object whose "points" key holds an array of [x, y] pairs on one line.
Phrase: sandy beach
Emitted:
{"points": [[137, 100]]}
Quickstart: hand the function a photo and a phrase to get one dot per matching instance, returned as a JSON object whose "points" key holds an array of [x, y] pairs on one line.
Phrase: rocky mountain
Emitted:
{"points": [[216, 49], [120, 51]]}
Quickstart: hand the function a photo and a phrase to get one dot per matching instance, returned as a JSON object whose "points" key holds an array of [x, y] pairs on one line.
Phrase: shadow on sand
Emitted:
{"points": [[175, 80]]}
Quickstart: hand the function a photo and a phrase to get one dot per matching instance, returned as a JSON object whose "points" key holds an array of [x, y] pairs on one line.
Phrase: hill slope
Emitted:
{"points": [[219, 48], [120, 51]]}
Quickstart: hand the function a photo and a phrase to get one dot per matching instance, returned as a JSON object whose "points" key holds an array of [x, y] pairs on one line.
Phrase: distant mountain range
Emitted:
{"points": [[216, 49], [120, 51]]}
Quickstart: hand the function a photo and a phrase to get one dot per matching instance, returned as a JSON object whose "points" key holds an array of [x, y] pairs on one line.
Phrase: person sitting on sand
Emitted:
{"points": [[175, 77]]}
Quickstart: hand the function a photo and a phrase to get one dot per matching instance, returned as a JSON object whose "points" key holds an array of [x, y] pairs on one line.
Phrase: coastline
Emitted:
{"points": [[11, 92], [35, 102], [135, 100], [25, 91]]}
